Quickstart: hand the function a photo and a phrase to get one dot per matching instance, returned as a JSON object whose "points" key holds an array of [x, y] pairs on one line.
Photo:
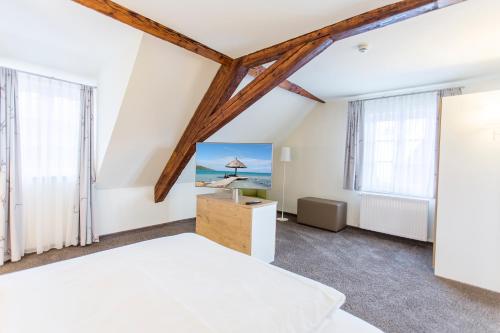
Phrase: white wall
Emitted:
{"points": [[133, 207], [317, 166], [123, 209], [468, 215], [113, 81], [130, 208]]}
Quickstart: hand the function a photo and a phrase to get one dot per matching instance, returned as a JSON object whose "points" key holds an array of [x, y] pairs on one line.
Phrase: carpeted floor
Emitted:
{"points": [[388, 281]]}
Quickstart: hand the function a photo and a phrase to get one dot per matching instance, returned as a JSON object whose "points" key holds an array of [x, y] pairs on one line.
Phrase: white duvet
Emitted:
{"points": [[182, 283]]}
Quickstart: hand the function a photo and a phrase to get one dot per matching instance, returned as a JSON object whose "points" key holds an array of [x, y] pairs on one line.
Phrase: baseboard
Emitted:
{"points": [[395, 237], [448, 280], [149, 227], [286, 213]]}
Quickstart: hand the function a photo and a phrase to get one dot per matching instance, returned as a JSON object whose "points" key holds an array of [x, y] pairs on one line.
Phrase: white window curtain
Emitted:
{"points": [[11, 205], [399, 142], [87, 176], [50, 115], [353, 146]]}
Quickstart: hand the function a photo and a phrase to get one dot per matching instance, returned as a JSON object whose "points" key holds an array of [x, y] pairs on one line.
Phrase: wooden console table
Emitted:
{"points": [[250, 229]]}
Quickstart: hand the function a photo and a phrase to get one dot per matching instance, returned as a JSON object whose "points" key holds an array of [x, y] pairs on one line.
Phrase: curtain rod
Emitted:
{"points": [[54, 78], [407, 94]]}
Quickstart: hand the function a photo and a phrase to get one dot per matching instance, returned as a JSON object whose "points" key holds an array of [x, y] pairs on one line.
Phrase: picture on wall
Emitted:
{"points": [[234, 165]]}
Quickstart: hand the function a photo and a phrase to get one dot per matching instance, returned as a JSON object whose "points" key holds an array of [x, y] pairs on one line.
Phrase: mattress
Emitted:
{"points": [[182, 283], [344, 322]]}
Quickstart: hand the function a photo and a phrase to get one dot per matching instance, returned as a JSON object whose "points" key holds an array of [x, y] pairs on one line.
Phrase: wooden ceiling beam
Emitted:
{"points": [[220, 90], [365, 22], [136, 20], [206, 121], [140, 22], [272, 76], [287, 85]]}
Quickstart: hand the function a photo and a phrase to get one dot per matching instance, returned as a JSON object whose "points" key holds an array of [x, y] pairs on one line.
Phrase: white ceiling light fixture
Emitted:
{"points": [[363, 47]]}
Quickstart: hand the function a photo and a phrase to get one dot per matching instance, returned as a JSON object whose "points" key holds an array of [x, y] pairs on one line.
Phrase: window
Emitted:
{"points": [[399, 145], [49, 126], [49, 117]]}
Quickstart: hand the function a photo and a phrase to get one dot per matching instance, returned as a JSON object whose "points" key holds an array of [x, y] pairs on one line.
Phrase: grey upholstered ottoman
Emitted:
{"points": [[322, 213]]}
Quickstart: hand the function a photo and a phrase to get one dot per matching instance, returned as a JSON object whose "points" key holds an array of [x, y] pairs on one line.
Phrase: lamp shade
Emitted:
{"points": [[286, 154]]}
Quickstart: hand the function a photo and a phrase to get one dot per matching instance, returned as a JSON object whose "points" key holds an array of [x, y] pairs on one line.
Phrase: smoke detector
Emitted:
{"points": [[363, 47]]}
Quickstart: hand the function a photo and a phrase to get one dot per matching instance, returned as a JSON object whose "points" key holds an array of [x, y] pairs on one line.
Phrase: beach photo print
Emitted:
{"points": [[234, 165]]}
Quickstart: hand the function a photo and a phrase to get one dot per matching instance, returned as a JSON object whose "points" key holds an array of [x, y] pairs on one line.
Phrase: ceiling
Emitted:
{"points": [[61, 35], [451, 44], [237, 28]]}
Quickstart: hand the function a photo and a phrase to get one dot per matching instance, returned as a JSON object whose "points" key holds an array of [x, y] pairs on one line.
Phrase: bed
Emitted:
{"points": [[182, 283]]}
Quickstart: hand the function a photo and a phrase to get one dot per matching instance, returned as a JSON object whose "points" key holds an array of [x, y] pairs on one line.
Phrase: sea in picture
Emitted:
{"points": [[255, 180], [234, 165]]}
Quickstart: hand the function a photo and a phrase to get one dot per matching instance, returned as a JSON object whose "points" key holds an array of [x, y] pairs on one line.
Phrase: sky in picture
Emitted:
{"points": [[256, 156]]}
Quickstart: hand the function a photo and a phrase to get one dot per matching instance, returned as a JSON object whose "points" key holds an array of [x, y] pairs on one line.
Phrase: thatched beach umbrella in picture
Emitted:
{"points": [[236, 164]]}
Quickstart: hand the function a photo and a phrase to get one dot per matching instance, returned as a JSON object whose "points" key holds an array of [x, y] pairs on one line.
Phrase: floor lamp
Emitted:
{"points": [[286, 156]]}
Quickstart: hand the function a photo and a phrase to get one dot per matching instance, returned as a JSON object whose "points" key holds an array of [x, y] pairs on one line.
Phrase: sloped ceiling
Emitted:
{"points": [[164, 89], [237, 28], [451, 44], [165, 86], [60, 35]]}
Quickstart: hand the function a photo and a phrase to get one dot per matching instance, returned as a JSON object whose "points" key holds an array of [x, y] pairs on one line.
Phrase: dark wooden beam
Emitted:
{"points": [[206, 122], [136, 20], [288, 64], [222, 87], [287, 85], [371, 20]]}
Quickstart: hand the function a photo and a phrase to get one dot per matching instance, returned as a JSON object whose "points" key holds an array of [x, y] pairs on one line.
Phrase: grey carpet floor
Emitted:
{"points": [[388, 281]]}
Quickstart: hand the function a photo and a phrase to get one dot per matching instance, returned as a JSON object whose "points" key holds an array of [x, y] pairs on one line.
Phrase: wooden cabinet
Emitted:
{"points": [[250, 229]]}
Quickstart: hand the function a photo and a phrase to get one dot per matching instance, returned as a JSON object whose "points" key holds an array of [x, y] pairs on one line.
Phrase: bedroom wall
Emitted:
{"points": [[318, 145], [121, 209], [317, 165], [468, 214]]}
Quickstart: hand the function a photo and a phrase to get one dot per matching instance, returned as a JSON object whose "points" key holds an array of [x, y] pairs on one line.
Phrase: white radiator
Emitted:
{"points": [[399, 216]]}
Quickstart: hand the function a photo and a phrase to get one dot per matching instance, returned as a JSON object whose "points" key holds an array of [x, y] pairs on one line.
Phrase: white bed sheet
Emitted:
{"points": [[183, 283], [344, 322]]}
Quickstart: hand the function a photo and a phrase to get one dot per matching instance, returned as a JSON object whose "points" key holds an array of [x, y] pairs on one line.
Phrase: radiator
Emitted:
{"points": [[405, 217]]}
